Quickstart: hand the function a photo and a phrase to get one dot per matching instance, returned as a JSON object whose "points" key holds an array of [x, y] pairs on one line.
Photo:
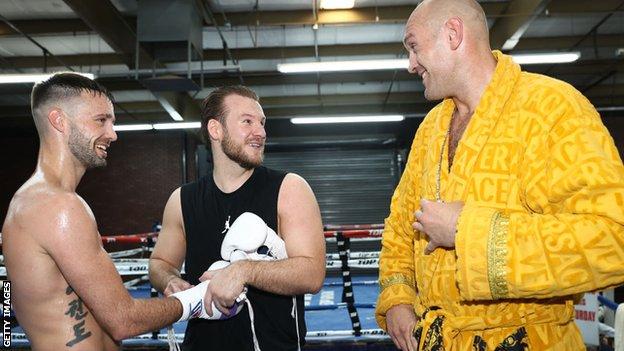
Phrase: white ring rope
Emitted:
{"points": [[311, 335], [140, 266]]}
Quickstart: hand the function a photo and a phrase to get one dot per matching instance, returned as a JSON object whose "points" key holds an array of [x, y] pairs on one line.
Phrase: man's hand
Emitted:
{"points": [[439, 221], [176, 284], [400, 321], [225, 286]]}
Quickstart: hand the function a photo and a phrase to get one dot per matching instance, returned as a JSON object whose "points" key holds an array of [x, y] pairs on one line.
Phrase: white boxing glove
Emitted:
{"points": [[275, 246], [250, 235], [192, 300]]}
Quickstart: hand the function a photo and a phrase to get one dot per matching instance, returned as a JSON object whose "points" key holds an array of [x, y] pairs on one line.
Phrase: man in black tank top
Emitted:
{"points": [[198, 215]]}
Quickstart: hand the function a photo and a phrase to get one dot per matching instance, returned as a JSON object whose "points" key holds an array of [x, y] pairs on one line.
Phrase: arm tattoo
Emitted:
{"points": [[76, 311]]}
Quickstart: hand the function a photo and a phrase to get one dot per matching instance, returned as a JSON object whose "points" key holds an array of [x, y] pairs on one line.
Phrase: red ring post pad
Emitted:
{"points": [[145, 237], [130, 238], [356, 233]]}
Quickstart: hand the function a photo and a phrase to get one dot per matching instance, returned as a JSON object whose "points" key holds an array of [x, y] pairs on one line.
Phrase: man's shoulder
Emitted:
{"points": [[294, 178], [44, 199], [40, 209], [554, 100], [539, 84], [293, 184]]}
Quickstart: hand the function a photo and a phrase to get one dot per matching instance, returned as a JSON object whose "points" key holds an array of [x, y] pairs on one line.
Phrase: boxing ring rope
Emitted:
{"points": [[369, 231]]}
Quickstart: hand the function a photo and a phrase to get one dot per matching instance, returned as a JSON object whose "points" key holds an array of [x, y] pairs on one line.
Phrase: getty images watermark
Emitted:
{"points": [[6, 313]]}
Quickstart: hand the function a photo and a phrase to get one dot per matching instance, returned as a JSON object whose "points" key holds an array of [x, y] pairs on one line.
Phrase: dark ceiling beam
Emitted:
{"points": [[564, 7], [344, 99], [217, 55], [514, 22], [541, 43], [606, 90], [525, 44], [383, 14], [306, 100], [406, 108], [71, 60], [45, 26], [274, 18], [303, 17], [105, 19], [608, 101], [405, 103], [593, 67], [308, 51], [288, 111], [603, 90], [276, 78], [275, 103]]}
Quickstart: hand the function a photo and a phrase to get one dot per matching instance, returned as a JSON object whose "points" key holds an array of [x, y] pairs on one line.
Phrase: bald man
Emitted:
{"points": [[511, 204], [67, 294]]}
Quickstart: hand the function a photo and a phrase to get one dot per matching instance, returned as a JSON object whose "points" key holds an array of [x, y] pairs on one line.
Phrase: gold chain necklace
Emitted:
{"points": [[439, 175]]}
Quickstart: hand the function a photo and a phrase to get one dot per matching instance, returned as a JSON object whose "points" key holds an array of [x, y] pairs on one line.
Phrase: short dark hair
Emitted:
{"points": [[63, 85], [213, 108]]}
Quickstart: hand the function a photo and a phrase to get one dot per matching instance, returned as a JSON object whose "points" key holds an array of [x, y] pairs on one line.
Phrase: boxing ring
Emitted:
{"points": [[340, 317]]}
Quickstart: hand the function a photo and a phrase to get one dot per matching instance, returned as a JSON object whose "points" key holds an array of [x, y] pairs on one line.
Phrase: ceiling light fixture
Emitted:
{"points": [[332, 66], [127, 127], [157, 126], [367, 65], [33, 78], [610, 108], [543, 58], [337, 4], [346, 119], [183, 125]]}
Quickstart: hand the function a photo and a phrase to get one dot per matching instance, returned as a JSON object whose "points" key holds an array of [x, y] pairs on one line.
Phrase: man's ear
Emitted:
{"points": [[57, 119], [215, 129], [455, 32]]}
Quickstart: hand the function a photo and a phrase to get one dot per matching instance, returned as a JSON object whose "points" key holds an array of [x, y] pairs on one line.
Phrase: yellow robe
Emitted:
{"points": [[543, 221]]}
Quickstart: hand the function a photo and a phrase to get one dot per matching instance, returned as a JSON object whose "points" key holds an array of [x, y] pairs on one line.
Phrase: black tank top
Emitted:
{"points": [[206, 209]]}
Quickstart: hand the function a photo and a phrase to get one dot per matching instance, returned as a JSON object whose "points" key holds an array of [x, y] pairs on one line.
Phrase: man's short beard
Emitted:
{"points": [[80, 147], [235, 153]]}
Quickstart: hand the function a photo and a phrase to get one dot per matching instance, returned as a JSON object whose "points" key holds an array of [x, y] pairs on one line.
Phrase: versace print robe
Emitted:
{"points": [[543, 220]]}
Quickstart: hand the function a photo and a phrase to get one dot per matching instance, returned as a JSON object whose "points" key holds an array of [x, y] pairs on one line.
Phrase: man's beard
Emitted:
{"points": [[80, 147], [236, 153]]}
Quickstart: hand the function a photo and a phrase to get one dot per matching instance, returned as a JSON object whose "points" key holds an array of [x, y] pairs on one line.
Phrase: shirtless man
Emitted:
{"points": [[67, 293]]}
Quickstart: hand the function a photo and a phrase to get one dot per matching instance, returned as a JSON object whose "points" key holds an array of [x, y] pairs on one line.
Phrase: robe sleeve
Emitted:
{"points": [[570, 239], [396, 263]]}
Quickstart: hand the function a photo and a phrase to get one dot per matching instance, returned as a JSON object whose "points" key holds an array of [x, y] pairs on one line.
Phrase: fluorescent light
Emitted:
{"points": [[346, 119], [367, 65], [183, 125], [558, 57], [610, 108], [33, 78], [331, 66], [125, 127], [157, 126], [337, 4]]}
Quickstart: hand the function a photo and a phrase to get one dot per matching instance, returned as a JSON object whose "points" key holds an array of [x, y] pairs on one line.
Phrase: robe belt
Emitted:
{"points": [[447, 327]]}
